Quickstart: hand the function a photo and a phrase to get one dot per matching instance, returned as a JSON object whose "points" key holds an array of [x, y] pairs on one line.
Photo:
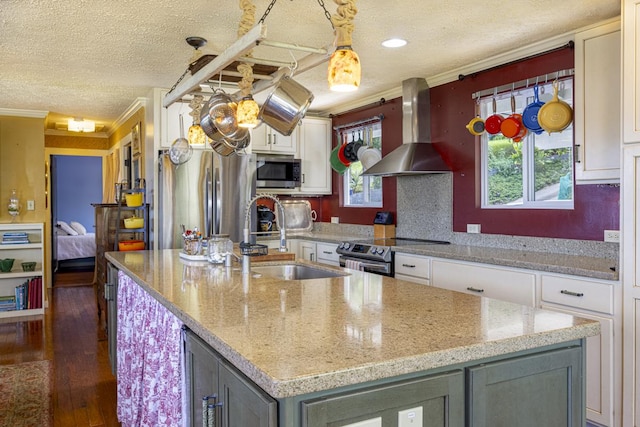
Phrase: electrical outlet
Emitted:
{"points": [[473, 228], [31, 205], [612, 236], [410, 417], [335, 220], [373, 422]]}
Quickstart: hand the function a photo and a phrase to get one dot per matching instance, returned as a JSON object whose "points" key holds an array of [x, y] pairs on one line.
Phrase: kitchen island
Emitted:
{"points": [[327, 347]]}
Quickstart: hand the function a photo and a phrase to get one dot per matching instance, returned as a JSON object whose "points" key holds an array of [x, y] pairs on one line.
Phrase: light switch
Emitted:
{"points": [[410, 417], [31, 205]]}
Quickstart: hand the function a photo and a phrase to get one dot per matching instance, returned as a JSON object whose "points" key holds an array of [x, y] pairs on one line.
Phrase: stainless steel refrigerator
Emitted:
{"points": [[209, 191]]}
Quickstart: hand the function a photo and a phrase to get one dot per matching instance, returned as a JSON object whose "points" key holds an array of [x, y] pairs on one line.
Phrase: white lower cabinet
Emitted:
{"points": [[413, 268], [506, 284], [306, 250], [326, 254], [595, 300], [589, 298]]}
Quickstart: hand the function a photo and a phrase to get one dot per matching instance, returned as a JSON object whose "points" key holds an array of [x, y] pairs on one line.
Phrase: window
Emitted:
{"points": [[362, 191], [536, 172]]}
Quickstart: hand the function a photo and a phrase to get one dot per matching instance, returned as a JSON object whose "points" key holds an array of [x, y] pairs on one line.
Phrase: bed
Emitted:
{"points": [[77, 251]]}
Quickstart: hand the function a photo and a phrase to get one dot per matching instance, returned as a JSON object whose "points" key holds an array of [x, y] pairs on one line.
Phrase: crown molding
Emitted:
{"points": [[140, 102], [35, 114], [56, 132], [497, 60]]}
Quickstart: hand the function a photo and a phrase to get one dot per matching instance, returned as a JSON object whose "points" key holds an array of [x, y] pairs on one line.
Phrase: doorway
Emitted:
{"points": [[76, 183]]}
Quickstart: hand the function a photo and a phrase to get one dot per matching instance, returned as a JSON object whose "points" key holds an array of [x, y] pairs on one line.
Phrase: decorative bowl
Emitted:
{"points": [[131, 245], [134, 222], [133, 200], [6, 264], [28, 266]]}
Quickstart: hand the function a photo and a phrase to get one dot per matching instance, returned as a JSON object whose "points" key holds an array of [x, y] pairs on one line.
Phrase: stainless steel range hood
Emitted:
{"points": [[417, 154]]}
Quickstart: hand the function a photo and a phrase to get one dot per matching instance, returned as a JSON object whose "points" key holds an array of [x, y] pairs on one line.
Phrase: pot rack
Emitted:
{"points": [[224, 64], [524, 83]]}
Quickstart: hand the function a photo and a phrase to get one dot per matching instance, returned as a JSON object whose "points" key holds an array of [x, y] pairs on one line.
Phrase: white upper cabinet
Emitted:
{"points": [[314, 150], [266, 140], [631, 71], [597, 104]]}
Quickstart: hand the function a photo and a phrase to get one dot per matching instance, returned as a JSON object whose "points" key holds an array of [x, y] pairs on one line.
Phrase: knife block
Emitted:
{"points": [[384, 231]]}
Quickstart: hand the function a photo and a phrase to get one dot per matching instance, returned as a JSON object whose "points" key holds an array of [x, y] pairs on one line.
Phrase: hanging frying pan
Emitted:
{"points": [[556, 115], [493, 122], [530, 113]]}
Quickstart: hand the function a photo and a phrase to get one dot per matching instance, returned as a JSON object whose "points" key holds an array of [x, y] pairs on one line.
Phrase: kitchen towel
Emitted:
{"points": [[353, 264]]}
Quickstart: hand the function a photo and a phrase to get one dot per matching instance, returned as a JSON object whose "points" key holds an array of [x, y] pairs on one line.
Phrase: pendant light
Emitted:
{"points": [[344, 66], [196, 135], [248, 109]]}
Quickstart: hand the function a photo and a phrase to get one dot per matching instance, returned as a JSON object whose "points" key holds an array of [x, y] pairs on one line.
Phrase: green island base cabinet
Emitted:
{"points": [[542, 388], [502, 364]]}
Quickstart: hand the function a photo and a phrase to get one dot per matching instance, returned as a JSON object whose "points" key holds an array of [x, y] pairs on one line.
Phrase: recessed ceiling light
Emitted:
{"points": [[394, 43]]}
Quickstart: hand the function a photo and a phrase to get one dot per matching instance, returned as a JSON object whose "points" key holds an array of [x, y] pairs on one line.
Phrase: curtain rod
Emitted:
{"points": [[569, 45], [543, 78], [359, 122]]}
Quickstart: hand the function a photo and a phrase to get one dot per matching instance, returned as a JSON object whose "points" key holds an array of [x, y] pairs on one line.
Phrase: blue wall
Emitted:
{"points": [[77, 183]]}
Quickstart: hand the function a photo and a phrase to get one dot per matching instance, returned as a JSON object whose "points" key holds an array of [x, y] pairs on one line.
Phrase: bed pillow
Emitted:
{"points": [[66, 227], [78, 227], [60, 231]]}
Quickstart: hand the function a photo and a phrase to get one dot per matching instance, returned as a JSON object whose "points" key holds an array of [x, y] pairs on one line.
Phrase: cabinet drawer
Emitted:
{"points": [[327, 251], [493, 282], [412, 265], [583, 294]]}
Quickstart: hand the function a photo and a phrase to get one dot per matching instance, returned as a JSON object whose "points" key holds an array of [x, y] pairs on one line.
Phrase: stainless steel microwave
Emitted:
{"points": [[275, 171]]}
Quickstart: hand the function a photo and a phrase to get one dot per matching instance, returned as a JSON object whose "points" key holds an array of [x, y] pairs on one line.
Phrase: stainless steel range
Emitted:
{"points": [[376, 255]]}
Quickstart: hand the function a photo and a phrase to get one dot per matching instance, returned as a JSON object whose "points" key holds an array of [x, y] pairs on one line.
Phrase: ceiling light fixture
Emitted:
{"points": [[248, 109], [78, 124], [394, 42], [344, 66]]}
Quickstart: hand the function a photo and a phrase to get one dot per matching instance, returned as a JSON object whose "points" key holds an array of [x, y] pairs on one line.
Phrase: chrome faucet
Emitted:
{"points": [[246, 259]]}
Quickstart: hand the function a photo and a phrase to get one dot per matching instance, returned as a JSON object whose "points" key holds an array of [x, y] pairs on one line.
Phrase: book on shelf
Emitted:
{"points": [[13, 238], [29, 294], [7, 303]]}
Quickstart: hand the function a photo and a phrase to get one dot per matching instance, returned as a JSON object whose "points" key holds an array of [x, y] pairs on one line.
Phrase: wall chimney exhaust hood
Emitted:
{"points": [[416, 155]]}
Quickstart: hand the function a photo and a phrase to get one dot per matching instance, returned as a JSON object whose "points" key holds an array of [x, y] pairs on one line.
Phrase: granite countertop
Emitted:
{"points": [[586, 266], [297, 337]]}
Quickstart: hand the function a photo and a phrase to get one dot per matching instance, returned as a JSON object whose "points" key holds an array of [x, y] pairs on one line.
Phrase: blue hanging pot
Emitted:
{"points": [[530, 114]]}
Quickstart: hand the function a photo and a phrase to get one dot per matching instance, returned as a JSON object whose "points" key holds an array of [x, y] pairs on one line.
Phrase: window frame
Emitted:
{"points": [[349, 135], [528, 157]]}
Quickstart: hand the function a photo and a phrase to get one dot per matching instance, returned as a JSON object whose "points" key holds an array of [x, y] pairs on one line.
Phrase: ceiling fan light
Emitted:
{"points": [[344, 70], [247, 113], [81, 125], [196, 135]]}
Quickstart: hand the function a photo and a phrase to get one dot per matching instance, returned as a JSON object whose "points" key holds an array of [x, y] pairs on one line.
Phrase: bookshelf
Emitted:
{"points": [[23, 243]]}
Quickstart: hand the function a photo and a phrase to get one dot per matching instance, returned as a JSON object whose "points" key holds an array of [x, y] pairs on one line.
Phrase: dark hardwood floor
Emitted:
{"points": [[84, 390]]}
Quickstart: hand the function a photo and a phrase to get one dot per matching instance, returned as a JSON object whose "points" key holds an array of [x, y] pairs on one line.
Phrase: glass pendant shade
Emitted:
{"points": [[196, 135], [344, 70], [247, 113]]}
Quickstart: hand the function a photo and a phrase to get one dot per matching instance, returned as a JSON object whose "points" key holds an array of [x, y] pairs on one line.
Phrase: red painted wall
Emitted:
{"points": [[391, 139], [596, 207]]}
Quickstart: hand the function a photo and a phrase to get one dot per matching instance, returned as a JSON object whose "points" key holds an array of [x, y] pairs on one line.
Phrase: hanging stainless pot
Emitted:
{"points": [[220, 143], [285, 106], [219, 115]]}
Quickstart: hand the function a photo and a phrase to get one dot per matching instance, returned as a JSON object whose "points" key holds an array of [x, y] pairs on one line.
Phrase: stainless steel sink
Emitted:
{"points": [[296, 272]]}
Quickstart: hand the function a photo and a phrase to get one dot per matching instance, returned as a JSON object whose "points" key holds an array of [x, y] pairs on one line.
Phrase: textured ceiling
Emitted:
{"points": [[92, 59]]}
